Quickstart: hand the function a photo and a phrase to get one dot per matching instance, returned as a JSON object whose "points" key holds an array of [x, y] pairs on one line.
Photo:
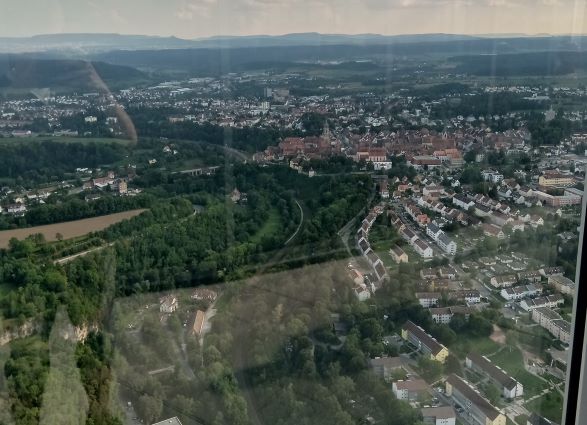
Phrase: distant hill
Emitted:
{"points": [[222, 60], [21, 72], [317, 39], [531, 64], [91, 43], [88, 43]]}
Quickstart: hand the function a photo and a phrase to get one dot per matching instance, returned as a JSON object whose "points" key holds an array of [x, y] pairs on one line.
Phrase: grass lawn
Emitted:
{"points": [[550, 406], [270, 226], [466, 344], [383, 253], [521, 419], [511, 360]]}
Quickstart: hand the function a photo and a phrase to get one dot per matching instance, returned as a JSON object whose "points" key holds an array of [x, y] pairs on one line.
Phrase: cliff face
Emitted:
{"points": [[78, 333], [31, 327]]}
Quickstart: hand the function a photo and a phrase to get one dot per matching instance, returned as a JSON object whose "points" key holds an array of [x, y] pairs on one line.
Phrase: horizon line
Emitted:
{"points": [[199, 38]]}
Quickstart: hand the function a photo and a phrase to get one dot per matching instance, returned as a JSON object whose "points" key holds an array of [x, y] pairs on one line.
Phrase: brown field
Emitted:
{"points": [[69, 229]]}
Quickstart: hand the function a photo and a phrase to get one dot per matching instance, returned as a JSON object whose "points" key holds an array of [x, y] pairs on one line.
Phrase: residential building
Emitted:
{"points": [[443, 241], [441, 415], [412, 390], [504, 281], [530, 276], [433, 231], [556, 179], [361, 292], [478, 410], [408, 235], [557, 201], [552, 271], [493, 231], [553, 323], [447, 245], [426, 344], [509, 387], [547, 301], [521, 292], [463, 202], [16, 209], [384, 189], [500, 219], [444, 315], [384, 367], [423, 249], [441, 315], [562, 284], [398, 254], [491, 176], [470, 296], [122, 187], [428, 299]]}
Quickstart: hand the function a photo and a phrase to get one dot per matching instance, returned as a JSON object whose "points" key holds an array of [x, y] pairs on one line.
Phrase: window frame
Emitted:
{"points": [[575, 399]]}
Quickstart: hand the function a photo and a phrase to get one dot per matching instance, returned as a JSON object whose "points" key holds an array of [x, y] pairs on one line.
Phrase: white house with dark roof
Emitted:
{"points": [[510, 388], [477, 408]]}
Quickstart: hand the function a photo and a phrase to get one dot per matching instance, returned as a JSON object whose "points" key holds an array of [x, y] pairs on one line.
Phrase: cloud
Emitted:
{"points": [[414, 4], [194, 9]]}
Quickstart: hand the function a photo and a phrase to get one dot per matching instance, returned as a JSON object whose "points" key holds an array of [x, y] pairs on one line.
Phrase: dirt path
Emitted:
{"points": [[498, 335], [81, 254]]}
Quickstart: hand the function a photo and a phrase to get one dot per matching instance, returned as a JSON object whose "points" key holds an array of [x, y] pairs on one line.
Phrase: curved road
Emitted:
{"points": [[299, 225]]}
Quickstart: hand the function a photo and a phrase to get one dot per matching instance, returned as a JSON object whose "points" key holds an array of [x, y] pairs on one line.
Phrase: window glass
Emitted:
{"points": [[304, 212]]}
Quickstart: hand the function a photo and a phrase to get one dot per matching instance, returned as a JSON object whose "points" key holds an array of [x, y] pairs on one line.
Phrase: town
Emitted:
{"points": [[474, 214]]}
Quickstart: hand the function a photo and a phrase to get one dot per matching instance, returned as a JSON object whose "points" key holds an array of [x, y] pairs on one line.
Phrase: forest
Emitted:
{"points": [[50, 161], [171, 246]]}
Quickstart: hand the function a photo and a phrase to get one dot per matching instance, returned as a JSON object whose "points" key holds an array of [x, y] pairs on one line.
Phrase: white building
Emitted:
{"points": [[491, 176], [521, 292], [442, 415], [510, 388], [409, 390], [443, 241], [428, 299], [423, 249]]}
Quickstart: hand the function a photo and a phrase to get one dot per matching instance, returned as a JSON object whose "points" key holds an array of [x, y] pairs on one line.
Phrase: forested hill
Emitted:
{"points": [[531, 63], [21, 72], [214, 60]]}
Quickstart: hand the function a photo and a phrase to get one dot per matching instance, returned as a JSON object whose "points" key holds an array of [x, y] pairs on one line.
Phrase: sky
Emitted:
{"points": [[203, 18]]}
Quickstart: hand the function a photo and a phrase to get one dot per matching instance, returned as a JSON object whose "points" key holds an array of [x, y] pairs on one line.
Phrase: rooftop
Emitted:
{"points": [[413, 385], [473, 396], [170, 421], [492, 370], [440, 412], [433, 345]]}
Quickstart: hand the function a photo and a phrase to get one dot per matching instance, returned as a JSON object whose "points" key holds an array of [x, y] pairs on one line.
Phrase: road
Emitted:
{"points": [[299, 225], [65, 260], [344, 232]]}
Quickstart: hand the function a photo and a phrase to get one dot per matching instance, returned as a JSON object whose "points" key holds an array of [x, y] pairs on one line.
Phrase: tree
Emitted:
{"points": [[453, 365], [458, 323], [430, 369], [149, 408], [492, 393]]}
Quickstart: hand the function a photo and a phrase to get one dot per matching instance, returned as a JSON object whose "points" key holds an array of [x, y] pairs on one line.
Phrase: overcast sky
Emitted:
{"points": [[201, 18]]}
